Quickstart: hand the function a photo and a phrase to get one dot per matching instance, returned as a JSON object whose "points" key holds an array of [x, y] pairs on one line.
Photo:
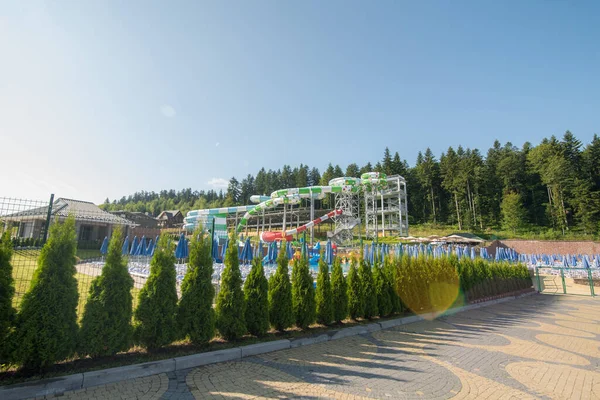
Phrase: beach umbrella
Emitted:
{"points": [[215, 250], [372, 254], [328, 253], [260, 250], [585, 263], [289, 250], [366, 252], [125, 248], [472, 253], [148, 249], [134, 246], [224, 249], [104, 247], [275, 251], [186, 248], [565, 262], [179, 247], [242, 254], [139, 251], [155, 245], [247, 251]]}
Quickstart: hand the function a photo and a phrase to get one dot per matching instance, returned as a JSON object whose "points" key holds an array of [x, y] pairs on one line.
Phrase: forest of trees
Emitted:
{"points": [[552, 187]]}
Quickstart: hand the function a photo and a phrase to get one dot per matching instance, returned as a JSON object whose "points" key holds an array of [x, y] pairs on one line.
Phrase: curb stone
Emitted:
{"points": [[309, 340], [53, 386], [265, 347]]}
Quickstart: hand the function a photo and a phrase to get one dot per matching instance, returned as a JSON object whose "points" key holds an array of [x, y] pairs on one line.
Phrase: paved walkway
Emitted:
{"points": [[540, 346]]}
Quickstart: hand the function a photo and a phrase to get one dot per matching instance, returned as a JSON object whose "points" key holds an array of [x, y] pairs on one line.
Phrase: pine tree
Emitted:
{"points": [[513, 213], [7, 291], [256, 292], [356, 303], [106, 324], [384, 302], [324, 297], [368, 290], [230, 307], [46, 327], [281, 314], [303, 294], [339, 291], [157, 302], [195, 314]]}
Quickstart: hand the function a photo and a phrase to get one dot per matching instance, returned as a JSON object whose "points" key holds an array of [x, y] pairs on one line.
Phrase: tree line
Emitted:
{"points": [[554, 186], [45, 329]]}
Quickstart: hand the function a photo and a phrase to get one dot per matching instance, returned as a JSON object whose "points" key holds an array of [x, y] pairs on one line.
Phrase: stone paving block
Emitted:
{"points": [[308, 341], [102, 377], [211, 357], [45, 387], [266, 347]]}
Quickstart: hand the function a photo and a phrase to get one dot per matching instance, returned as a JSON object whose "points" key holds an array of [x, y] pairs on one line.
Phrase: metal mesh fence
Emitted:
{"points": [[29, 221]]}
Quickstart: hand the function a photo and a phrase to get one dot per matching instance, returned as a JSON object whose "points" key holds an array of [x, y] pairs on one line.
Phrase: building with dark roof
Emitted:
{"points": [[170, 219], [91, 223]]}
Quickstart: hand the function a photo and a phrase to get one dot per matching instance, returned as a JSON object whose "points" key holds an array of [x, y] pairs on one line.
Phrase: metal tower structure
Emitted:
{"points": [[386, 210], [348, 220]]}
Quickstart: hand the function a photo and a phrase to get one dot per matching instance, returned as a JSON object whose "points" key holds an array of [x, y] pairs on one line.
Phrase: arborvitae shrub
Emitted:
{"points": [[281, 314], [356, 302], [195, 314], [384, 302], [368, 288], [324, 297], [7, 291], [230, 308], [339, 291], [157, 302], [106, 324], [303, 294], [390, 273], [46, 328], [256, 292]]}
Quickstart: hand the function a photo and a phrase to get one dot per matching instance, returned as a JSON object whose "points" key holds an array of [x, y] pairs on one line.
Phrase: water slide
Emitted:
{"points": [[274, 236], [368, 181]]}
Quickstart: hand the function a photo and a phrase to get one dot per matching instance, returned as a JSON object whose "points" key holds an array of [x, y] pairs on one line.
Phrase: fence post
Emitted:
{"points": [[537, 272], [591, 283], [212, 236], [48, 216], [562, 277]]}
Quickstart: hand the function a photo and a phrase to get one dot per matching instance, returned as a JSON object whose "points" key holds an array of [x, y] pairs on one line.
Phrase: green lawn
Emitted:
{"points": [[24, 263]]}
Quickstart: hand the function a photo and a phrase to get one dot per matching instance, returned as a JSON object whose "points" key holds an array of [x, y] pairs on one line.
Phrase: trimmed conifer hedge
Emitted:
{"points": [[231, 307], [195, 313], [46, 326], [303, 293], [157, 307], [281, 314], [7, 291], [106, 324]]}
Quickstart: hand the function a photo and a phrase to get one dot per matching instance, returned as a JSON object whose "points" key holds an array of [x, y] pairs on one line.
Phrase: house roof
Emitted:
{"points": [[81, 210], [169, 213]]}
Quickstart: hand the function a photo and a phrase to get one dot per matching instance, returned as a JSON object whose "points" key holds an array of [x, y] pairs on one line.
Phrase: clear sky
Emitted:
{"points": [[104, 98]]}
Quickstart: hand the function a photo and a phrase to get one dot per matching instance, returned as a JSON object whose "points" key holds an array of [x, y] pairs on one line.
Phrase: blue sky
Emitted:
{"points": [[104, 98]]}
